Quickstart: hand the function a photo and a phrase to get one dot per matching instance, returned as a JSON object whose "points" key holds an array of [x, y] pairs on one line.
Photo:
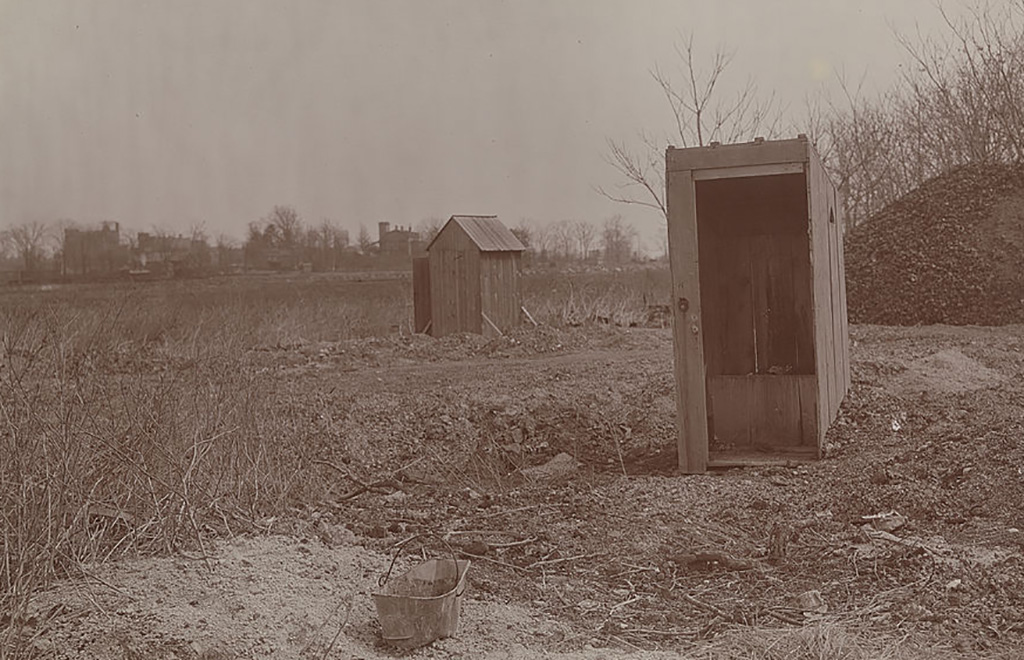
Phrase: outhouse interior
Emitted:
{"points": [[756, 299]]}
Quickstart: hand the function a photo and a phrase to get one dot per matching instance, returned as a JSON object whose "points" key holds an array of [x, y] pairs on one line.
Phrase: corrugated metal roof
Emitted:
{"points": [[489, 234]]}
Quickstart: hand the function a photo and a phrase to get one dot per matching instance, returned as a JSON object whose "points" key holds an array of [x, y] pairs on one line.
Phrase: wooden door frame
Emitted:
{"points": [[687, 328]]}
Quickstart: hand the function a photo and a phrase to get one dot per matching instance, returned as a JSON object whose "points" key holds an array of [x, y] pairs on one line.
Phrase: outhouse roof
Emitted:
{"points": [[487, 232]]}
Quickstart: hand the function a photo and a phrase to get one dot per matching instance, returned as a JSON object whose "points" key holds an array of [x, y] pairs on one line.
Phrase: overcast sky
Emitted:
{"points": [[173, 112]]}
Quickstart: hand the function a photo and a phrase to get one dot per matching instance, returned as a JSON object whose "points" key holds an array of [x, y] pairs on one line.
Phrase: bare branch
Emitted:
{"points": [[701, 114]]}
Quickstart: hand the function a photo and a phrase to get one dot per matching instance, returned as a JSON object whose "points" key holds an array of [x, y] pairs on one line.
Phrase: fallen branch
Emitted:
{"points": [[707, 607], [877, 534], [619, 640], [518, 510], [387, 482], [720, 558], [477, 532], [785, 618], [493, 561], [624, 603], [550, 562], [513, 544], [659, 633]]}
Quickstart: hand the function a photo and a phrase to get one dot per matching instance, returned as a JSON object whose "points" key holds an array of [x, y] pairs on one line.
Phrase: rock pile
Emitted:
{"points": [[950, 251]]}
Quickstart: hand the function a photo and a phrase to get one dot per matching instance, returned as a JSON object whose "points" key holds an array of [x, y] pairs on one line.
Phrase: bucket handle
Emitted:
{"points": [[383, 579]]}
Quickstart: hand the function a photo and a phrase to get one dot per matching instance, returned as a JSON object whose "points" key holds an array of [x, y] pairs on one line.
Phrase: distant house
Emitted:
{"points": [[93, 251], [171, 254], [472, 279], [398, 242]]}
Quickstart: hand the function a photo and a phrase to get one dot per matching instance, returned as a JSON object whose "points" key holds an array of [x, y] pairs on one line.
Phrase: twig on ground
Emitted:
{"points": [[513, 544], [785, 618], [474, 532], [387, 482], [494, 514], [707, 607], [658, 633], [720, 558], [550, 562], [624, 603], [634, 569], [341, 626], [493, 561], [619, 640]]}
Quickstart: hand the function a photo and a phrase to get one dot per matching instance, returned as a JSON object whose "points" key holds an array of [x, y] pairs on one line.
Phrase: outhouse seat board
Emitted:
{"points": [[760, 317]]}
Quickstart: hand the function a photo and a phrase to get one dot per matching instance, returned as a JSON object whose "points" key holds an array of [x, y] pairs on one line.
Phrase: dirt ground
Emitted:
{"points": [[546, 458]]}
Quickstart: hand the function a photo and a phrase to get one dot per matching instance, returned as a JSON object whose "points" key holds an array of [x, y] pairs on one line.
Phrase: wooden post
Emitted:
{"points": [[691, 388], [421, 294]]}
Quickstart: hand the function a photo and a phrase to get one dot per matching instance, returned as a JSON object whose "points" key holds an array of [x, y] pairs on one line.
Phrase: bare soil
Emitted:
{"points": [[904, 542]]}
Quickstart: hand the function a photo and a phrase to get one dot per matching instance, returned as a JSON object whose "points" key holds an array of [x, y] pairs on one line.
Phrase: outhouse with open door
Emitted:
{"points": [[759, 298]]}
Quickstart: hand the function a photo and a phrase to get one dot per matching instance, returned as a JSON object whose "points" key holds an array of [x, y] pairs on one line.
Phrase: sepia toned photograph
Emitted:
{"points": [[511, 329]]}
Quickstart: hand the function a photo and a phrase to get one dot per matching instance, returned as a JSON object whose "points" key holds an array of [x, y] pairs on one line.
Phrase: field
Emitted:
{"points": [[220, 468]]}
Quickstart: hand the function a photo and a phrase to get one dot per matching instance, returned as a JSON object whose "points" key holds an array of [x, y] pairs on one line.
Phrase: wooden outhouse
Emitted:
{"points": [[759, 302], [472, 277]]}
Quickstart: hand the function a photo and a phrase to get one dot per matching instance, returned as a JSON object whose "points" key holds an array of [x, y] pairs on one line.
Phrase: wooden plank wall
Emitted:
{"points": [[755, 275], [421, 293], [840, 282], [831, 334], [688, 344], [501, 290], [455, 283], [768, 412]]}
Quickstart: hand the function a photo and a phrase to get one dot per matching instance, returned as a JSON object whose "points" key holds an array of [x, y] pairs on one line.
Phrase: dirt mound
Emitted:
{"points": [[947, 252], [948, 371]]}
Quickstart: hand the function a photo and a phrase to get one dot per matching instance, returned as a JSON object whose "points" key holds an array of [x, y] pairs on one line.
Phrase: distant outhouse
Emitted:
{"points": [[759, 300], [470, 280]]}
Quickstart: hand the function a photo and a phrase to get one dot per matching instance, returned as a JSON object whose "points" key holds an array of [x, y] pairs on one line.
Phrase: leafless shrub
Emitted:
{"points": [[960, 100]]}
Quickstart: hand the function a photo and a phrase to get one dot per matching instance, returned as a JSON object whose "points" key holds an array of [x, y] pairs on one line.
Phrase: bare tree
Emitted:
{"points": [[225, 246], [60, 242], [524, 233], [28, 241], [541, 238], [960, 100], [327, 245], [703, 113], [430, 227], [365, 240], [6, 245], [617, 240], [562, 238], [288, 224], [585, 233]]}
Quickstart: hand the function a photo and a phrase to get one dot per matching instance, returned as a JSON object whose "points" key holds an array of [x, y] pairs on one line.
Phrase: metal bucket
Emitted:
{"points": [[423, 604]]}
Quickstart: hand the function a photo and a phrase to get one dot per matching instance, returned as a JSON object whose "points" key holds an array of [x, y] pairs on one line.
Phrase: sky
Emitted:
{"points": [[173, 113]]}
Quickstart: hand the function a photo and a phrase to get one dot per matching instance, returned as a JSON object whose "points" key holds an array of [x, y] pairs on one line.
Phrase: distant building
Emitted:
{"points": [[93, 251], [171, 254], [398, 242]]}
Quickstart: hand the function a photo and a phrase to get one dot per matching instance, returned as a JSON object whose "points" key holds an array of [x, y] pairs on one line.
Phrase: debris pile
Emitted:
{"points": [[950, 251]]}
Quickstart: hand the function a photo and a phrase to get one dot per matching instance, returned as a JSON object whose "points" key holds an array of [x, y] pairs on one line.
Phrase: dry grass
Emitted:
{"points": [[624, 298], [129, 423]]}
